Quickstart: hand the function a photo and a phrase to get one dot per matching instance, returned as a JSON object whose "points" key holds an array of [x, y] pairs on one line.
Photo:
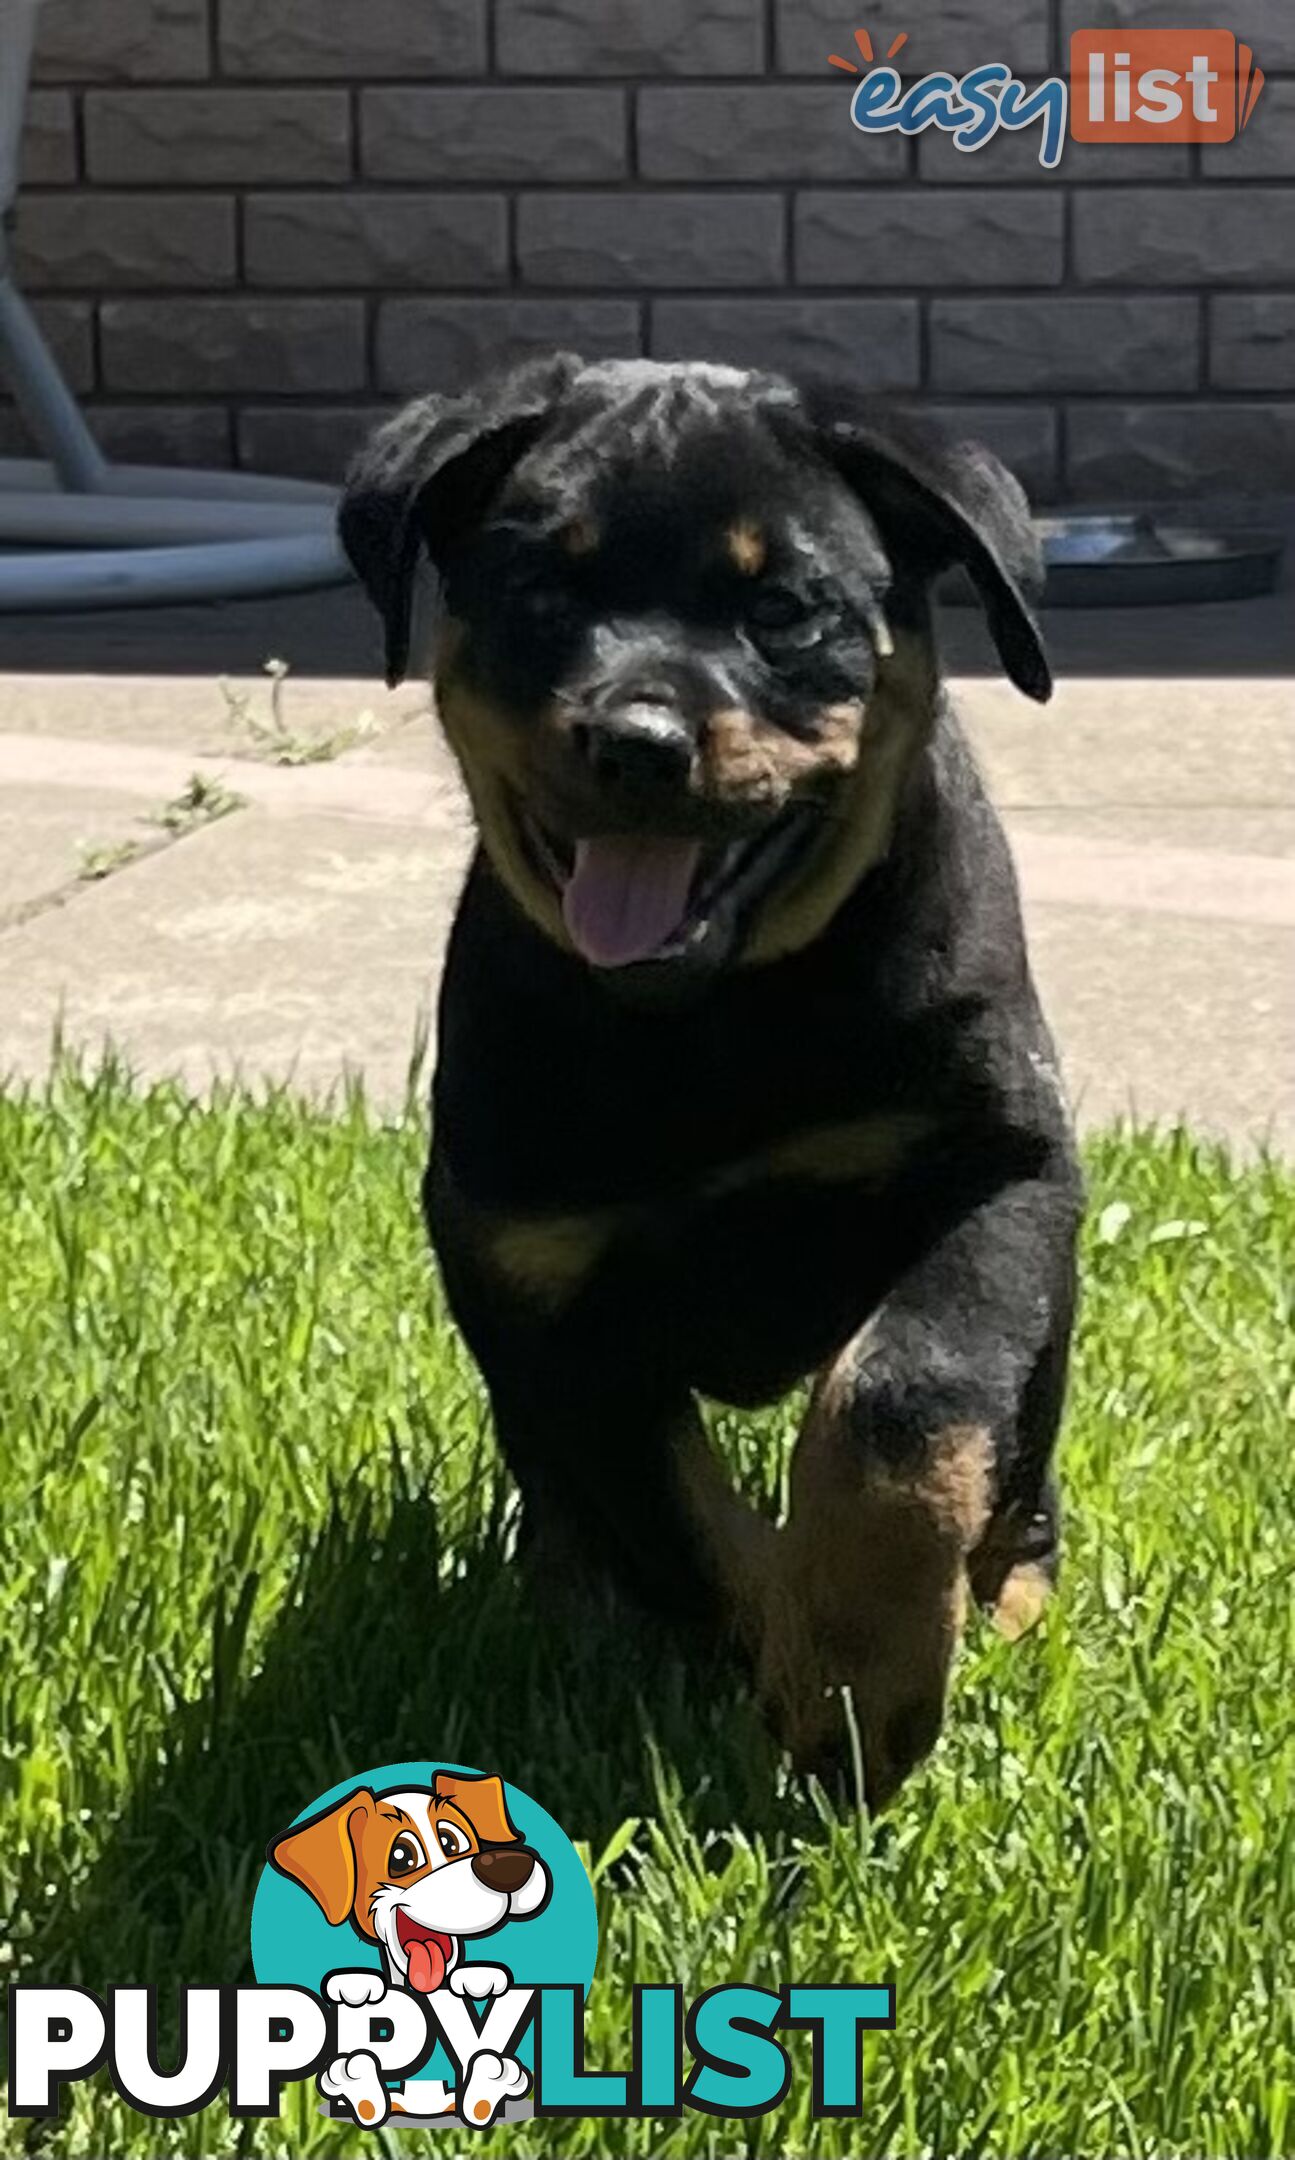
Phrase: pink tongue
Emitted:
{"points": [[628, 897], [426, 1967]]}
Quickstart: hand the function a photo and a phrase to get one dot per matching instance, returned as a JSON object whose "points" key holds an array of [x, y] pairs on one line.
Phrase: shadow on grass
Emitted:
{"points": [[370, 1660]]}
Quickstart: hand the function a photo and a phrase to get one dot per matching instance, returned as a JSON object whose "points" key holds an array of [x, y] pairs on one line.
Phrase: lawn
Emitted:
{"points": [[253, 1537]]}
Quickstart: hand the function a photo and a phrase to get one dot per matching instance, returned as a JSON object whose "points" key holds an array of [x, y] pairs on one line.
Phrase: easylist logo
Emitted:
{"points": [[1169, 86], [1125, 86]]}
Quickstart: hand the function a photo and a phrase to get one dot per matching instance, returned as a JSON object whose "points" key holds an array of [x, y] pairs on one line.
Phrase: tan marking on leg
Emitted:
{"points": [[857, 835], [549, 1258], [857, 1151], [366, 2111], [1022, 1601], [872, 1590], [747, 546]]}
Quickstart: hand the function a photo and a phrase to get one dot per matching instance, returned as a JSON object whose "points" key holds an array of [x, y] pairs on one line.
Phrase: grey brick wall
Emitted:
{"points": [[250, 225]]}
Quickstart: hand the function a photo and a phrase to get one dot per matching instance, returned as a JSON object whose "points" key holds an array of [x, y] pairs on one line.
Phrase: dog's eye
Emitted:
{"points": [[452, 1841], [776, 608], [407, 1855]]}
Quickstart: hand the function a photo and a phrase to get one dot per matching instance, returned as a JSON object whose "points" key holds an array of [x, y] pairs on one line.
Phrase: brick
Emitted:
{"points": [[112, 242], [67, 327], [956, 34], [1149, 451], [875, 341], [1252, 341], [49, 156], [1013, 159], [759, 131], [1025, 437], [305, 442], [1268, 25], [237, 345], [140, 434], [162, 434], [1064, 343], [202, 136], [121, 41], [655, 240], [383, 240], [931, 236], [316, 38], [631, 37], [452, 342], [495, 134], [1185, 236], [1266, 151]]}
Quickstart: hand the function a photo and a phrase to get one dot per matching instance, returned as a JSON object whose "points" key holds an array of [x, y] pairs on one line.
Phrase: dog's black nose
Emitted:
{"points": [[645, 744], [505, 1869]]}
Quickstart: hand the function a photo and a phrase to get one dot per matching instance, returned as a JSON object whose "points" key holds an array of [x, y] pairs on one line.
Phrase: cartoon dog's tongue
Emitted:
{"points": [[426, 1966], [628, 897]]}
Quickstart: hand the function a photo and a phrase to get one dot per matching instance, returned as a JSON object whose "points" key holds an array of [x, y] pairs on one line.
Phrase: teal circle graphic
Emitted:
{"points": [[294, 1946]]}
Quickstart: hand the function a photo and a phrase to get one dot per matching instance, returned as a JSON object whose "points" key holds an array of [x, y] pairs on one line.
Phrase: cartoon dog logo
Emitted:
{"points": [[420, 1873]]}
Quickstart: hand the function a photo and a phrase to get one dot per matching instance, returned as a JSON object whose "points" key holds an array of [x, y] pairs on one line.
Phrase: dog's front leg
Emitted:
{"points": [[922, 1472], [617, 1476]]}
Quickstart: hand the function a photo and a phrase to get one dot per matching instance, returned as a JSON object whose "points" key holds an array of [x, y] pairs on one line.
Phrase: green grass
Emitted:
{"points": [[253, 1538]]}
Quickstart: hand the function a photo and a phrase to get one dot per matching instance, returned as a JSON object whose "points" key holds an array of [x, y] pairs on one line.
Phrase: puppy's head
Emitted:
{"points": [[417, 1871], [685, 656]]}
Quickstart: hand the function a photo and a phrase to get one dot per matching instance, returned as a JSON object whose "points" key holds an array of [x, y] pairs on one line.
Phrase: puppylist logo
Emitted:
{"points": [[1139, 86], [424, 1938]]}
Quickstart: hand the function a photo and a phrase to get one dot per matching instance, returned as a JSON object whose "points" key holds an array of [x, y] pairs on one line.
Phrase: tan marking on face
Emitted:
{"points": [[747, 547], [856, 1151], [379, 1833], [496, 753], [746, 760], [342, 1857], [549, 1258], [1022, 1601], [581, 538], [857, 835], [446, 1811], [871, 1594]]}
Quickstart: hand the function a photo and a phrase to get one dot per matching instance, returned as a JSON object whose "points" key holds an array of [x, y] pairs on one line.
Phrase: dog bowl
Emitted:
{"points": [[1154, 561]]}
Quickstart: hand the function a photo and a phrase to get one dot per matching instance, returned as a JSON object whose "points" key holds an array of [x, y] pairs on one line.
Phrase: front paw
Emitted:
{"points": [[479, 1983], [355, 1989], [356, 2081], [856, 1673]]}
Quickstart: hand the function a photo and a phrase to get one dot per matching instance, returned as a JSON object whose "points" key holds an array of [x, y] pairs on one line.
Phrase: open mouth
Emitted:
{"points": [[428, 1952], [628, 898]]}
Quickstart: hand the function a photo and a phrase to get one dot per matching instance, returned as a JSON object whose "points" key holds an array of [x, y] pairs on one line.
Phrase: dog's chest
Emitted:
{"points": [[554, 1111]]}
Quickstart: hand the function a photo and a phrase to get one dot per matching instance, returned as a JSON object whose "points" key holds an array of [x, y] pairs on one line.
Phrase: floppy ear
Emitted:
{"points": [[482, 1801], [320, 1855], [939, 503], [429, 474]]}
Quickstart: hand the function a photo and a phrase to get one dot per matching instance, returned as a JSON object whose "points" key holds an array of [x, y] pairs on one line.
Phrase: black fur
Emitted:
{"points": [[567, 1092]]}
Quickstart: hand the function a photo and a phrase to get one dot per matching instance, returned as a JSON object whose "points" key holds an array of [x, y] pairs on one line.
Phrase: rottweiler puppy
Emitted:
{"points": [[742, 1074]]}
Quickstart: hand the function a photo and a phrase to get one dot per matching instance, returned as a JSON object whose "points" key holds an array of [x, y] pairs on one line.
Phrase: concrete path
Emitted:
{"points": [[299, 934]]}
